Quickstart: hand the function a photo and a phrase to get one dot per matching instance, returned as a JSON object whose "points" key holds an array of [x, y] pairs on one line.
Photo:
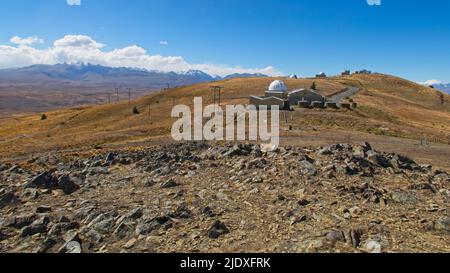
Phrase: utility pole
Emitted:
{"points": [[129, 95], [117, 92], [216, 94], [109, 98]]}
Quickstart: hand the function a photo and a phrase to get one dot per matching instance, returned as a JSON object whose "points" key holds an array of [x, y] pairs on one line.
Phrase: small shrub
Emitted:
{"points": [[43, 117], [313, 86], [136, 110]]}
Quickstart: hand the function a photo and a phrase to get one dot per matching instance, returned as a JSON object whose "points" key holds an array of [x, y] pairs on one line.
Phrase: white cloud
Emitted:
{"points": [[77, 41], [73, 2], [374, 2], [430, 82], [84, 49], [163, 43], [26, 41]]}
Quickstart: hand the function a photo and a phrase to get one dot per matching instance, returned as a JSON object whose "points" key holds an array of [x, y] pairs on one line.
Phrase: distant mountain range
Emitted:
{"points": [[445, 87], [45, 87], [88, 75], [245, 75]]}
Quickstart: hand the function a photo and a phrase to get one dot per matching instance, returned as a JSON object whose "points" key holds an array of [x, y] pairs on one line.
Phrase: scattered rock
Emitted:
{"points": [[404, 197], [443, 225], [303, 202], [8, 199], [20, 221], [208, 212], [67, 185], [182, 212], [296, 193], [62, 227], [325, 151], [378, 159], [217, 229], [110, 157], [122, 231], [147, 226], [43, 181], [169, 184], [336, 236], [46, 245], [373, 247], [353, 237], [135, 214], [37, 227], [149, 183], [30, 194], [71, 236], [298, 219], [257, 180], [104, 226], [94, 236], [130, 243], [307, 168], [43, 209], [3, 236], [72, 247]]}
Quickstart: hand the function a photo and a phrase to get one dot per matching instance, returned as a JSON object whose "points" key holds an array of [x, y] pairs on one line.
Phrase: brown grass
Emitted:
{"points": [[403, 108]]}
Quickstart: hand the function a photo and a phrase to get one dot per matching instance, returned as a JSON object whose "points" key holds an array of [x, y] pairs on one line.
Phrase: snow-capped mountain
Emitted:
{"points": [[445, 87], [245, 75], [88, 75]]}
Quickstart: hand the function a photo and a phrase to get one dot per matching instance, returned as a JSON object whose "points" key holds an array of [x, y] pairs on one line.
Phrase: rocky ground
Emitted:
{"points": [[200, 197]]}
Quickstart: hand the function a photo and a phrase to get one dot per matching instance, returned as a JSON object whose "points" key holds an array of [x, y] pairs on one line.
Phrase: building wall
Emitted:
{"points": [[304, 95], [280, 95], [270, 101], [257, 101]]}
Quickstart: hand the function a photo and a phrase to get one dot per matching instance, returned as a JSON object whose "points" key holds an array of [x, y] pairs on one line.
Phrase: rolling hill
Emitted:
{"points": [[388, 107]]}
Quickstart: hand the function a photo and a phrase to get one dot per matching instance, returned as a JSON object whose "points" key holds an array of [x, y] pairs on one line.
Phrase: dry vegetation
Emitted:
{"points": [[388, 106], [95, 125]]}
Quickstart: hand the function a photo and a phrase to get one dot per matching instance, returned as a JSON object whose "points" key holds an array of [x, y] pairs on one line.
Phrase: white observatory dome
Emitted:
{"points": [[278, 86]]}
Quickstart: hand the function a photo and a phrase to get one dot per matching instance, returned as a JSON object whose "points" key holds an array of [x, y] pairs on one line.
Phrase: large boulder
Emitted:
{"points": [[67, 185], [43, 181], [378, 159], [443, 225], [8, 199], [39, 226]]}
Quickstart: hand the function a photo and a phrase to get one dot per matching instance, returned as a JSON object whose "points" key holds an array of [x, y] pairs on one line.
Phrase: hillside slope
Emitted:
{"points": [[387, 106]]}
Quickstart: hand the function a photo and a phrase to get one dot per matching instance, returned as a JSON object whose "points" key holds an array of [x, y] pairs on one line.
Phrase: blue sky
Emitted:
{"points": [[408, 38]]}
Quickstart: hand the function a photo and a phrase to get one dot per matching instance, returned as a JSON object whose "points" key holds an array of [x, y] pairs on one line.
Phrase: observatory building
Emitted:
{"points": [[278, 95], [321, 75], [277, 89]]}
